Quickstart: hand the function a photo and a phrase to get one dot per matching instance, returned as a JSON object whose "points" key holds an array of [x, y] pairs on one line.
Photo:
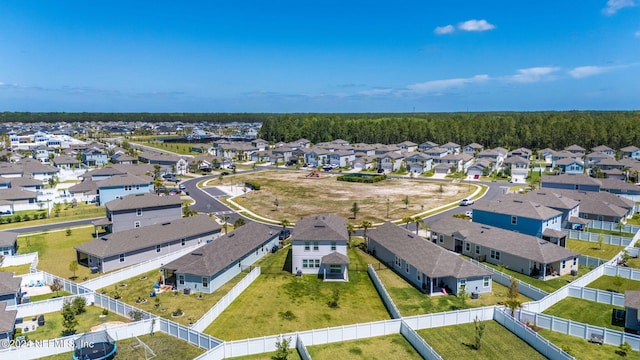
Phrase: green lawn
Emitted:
{"points": [[593, 249], [581, 348], [634, 263], [165, 347], [611, 232], [56, 250], [179, 148], [390, 347], [549, 285], [585, 311], [607, 283], [279, 302], [293, 355], [53, 323], [17, 269], [52, 295], [455, 342], [194, 305], [411, 301]]}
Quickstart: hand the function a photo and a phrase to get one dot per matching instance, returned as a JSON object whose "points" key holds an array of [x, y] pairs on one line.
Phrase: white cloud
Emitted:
{"points": [[476, 25], [534, 74], [614, 5], [436, 86], [447, 29], [376, 92], [586, 71]]}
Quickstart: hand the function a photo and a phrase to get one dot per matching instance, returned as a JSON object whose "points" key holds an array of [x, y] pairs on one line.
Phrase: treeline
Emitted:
{"points": [[28, 117], [534, 130]]}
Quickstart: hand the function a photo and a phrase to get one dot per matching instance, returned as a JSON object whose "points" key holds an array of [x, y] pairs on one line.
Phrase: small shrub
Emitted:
{"points": [[287, 315], [68, 232], [624, 349], [136, 315], [79, 304], [105, 312], [17, 218], [26, 217], [177, 312]]}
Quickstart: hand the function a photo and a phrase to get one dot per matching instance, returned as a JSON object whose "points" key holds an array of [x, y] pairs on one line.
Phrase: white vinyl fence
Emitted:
{"points": [[593, 237], [418, 342], [135, 270], [597, 295], [226, 300], [581, 330], [611, 226], [544, 346], [504, 279], [384, 294], [625, 272], [46, 306], [302, 350], [458, 317], [20, 259], [588, 261]]}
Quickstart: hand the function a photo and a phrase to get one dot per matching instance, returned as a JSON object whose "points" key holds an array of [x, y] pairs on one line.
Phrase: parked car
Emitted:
{"points": [[284, 234], [224, 173], [172, 179], [182, 187], [466, 202]]}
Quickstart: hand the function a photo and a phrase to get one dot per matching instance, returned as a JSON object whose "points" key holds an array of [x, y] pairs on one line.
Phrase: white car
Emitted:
{"points": [[466, 202]]}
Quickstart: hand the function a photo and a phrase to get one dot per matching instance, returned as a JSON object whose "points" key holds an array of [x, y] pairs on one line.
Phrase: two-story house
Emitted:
{"points": [[319, 246], [631, 152], [95, 157], [121, 185], [605, 150], [8, 243], [518, 167], [390, 161], [569, 207], [418, 163], [137, 210], [473, 149]]}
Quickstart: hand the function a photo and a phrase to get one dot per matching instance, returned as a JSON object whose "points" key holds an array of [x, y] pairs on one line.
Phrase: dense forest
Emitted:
{"points": [[28, 117], [534, 130]]}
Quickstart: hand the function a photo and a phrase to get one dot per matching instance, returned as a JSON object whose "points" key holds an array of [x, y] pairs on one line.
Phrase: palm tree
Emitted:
{"points": [[284, 223], [406, 220], [350, 230], [355, 209], [225, 218], [418, 220], [365, 225]]}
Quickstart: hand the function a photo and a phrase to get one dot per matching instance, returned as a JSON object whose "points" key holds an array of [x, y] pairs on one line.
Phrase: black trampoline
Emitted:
{"points": [[94, 346]]}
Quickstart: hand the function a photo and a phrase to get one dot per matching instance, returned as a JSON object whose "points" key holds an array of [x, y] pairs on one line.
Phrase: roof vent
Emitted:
{"points": [[231, 235], [167, 223], [197, 254], [518, 201]]}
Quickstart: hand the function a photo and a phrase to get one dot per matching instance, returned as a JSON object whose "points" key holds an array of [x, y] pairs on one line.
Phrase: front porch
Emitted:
{"points": [[335, 267]]}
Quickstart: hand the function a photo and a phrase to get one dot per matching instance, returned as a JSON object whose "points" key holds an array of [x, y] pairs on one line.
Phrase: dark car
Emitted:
{"points": [[224, 173], [284, 234]]}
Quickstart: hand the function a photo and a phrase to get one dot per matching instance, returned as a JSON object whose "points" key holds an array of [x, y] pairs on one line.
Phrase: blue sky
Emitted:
{"points": [[319, 56]]}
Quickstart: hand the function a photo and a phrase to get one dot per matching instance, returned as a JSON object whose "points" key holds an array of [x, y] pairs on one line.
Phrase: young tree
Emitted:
{"points": [[405, 201], [282, 349], [355, 209], [618, 281], [418, 220], [350, 230], [284, 223], [463, 296], [79, 304], [406, 220], [512, 297], [276, 203], [620, 226], [225, 224], [56, 286], [365, 225], [600, 241], [239, 222], [69, 321], [479, 332], [73, 267]]}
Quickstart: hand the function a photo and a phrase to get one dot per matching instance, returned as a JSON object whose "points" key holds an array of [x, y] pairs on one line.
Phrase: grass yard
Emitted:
{"points": [[608, 283], [390, 347], [53, 323], [634, 263], [298, 196], [56, 250], [279, 302], [293, 355], [611, 232], [455, 342], [550, 285], [48, 296], [581, 348], [165, 347], [194, 305], [585, 311], [17, 269], [593, 249], [179, 148], [411, 301]]}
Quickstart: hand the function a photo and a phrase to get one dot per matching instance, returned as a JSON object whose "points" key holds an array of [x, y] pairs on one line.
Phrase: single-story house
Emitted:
{"points": [[122, 185], [17, 199], [425, 265], [214, 264], [601, 206], [571, 182], [8, 243], [125, 248], [525, 254], [10, 289]]}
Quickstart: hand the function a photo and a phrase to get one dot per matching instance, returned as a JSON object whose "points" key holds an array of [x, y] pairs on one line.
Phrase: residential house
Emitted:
{"points": [[8, 243], [560, 155], [579, 151], [523, 216], [408, 146], [568, 206], [66, 162], [610, 168], [594, 158], [7, 325], [319, 246], [342, 158], [390, 161], [122, 158], [425, 265], [122, 185], [452, 148], [418, 163], [570, 165], [364, 162], [518, 167], [167, 161], [571, 182], [364, 150], [632, 313], [522, 152], [260, 144], [620, 187], [482, 167], [630, 152], [209, 267], [601, 206], [264, 157], [138, 210], [43, 153], [37, 170], [546, 155], [130, 247], [10, 290], [496, 156], [525, 254], [473, 149], [85, 191], [436, 152], [426, 146], [17, 199], [94, 157], [605, 150]]}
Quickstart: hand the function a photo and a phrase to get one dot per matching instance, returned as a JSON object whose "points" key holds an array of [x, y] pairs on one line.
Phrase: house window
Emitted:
{"points": [[575, 261], [600, 218], [183, 242], [485, 281], [564, 263], [441, 238], [315, 246], [138, 212], [181, 279], [495, 255], [467, 247], [136, 224], [335, 269], [307, 246], [305, 263], [333, 246], [478, 249], [137, 187], [406, 267], [463, 283], [577, 187], [419, 275], [121, 257], [205, 282], [316, 263], [398, 261], [514, 220], [158, 248]]}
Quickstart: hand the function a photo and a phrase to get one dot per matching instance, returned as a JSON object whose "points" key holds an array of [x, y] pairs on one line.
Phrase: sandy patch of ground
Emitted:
{"points": [[106, 325]]}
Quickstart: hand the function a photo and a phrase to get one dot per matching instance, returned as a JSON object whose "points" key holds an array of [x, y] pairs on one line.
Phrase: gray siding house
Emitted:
{"points": [[214, 264], [138, 210], [319, 246], [125, 248], [631, 306], [10, 290], [8, 243], [427, 266], [525, 254], [7, 324]]}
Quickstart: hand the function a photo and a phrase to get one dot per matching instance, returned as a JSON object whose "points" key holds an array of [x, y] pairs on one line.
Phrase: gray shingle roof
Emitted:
{"points": [[8, 238], [151, 235], [321, 227], [7, 318], [142, 201], [518, 207], [17, 194], [550, 199], [430, 259], [87, 186], [8, 283], [224, 251], [335, 258], [122, 180], [509, 242], [573, 179], [632, 299], [599, 203]]}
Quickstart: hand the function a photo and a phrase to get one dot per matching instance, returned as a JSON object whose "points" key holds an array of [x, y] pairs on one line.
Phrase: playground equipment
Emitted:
{"points": [[313, 174]]}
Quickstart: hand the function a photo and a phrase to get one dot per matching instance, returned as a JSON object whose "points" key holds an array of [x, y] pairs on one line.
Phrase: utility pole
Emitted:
{"points": [[387, 208]]}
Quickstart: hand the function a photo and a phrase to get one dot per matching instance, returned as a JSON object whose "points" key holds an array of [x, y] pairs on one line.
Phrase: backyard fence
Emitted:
{"points": [[418, 343], [226, 300], [597, 295], [46, 306], [121, 308], [578, 329], [625, 272], [20, 259], [544, 346], [302, 350], [593, 237], [384, 294], [187, 334], [504, 279], [42, 278], [591, 262], [448, 318], [612, 226]]}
